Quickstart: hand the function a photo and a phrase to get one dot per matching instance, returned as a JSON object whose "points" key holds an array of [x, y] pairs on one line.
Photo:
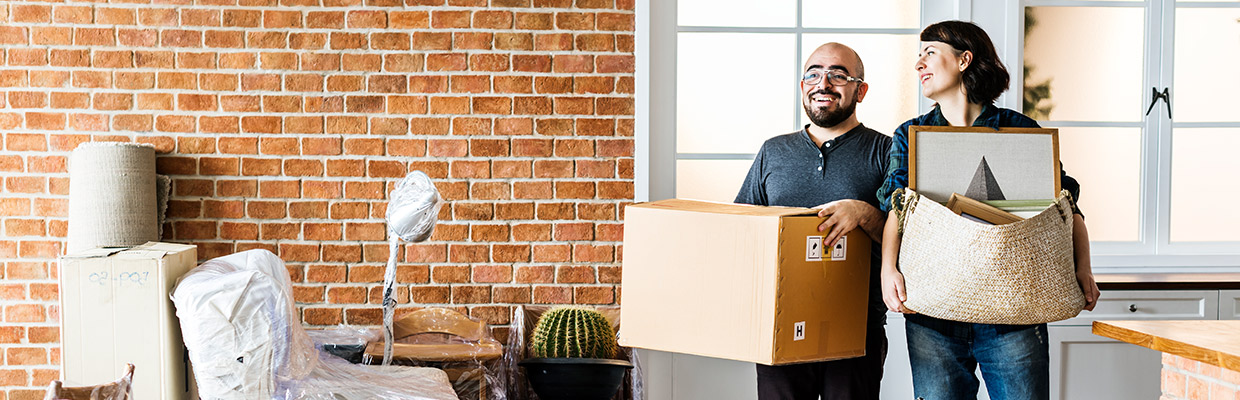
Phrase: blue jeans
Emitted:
{"points": [[1015, 359]]}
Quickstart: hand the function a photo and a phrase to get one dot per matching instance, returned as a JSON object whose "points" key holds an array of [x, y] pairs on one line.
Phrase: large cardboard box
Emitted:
{"points": [[115, 310], [741, 282]]}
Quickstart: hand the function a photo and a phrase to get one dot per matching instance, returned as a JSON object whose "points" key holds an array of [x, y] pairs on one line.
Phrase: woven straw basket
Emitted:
{"points": [[961, 270]]}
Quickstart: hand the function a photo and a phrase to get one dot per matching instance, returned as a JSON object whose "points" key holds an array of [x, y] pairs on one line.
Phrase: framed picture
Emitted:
{"points": [[984, 164], [979, 211]]}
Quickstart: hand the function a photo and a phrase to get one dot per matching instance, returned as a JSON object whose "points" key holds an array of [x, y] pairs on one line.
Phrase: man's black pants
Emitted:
{"points": [[847, 379]]}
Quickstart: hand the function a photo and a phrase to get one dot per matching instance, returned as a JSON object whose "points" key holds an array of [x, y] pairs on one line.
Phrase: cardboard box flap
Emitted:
{"points": [[725, 208], [95, 252]]}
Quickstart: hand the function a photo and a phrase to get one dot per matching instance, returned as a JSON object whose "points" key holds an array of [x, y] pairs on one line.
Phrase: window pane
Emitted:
{"points": [[1206, 82], [733, 90], [892, 98], [861, 14], [1110, 181], [771, 13], [1203, 165], [714, 180], [1084, 63]]}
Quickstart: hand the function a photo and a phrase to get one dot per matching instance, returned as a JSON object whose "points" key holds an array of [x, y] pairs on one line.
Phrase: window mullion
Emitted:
{"points": [[1160, 39]]}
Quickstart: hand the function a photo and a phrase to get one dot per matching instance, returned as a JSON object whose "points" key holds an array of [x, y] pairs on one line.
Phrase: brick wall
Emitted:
{"points": [[284, 122], [1186, 379]]}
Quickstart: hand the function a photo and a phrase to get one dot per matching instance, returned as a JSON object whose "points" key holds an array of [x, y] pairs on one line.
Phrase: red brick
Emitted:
{"points": [[342, 253], [321, 189], [279, 189], [471, 294], [531, 105], [450, 274], [346, 124], [323, 316], [371, 147], [281, 19], [367, 19], [200, 17], [447, 62], [307, 41], [325, 19], [615, 148], [430, 294], [492, 20], [510, 294], [553, 42], [115, 16], [261, 124], [471, 40], [31, 13], [531, 63], [535, 21], [92, 79], [448, 148], [616, 22], [278, 61], [28, 100], [177, 80], [553, 295], [181, 38], [26, 356], [342, 41], [594, 295]]}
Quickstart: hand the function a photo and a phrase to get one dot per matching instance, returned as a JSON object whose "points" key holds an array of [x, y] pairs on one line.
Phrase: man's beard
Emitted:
{"points": [[828, 118]]}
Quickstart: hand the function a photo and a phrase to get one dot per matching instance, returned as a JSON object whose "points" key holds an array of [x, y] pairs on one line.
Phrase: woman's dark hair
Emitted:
{"points": [[986, 77]]}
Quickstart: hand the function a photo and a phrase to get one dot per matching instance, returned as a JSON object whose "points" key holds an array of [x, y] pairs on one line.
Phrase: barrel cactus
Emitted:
{"points": [[573, 332]]}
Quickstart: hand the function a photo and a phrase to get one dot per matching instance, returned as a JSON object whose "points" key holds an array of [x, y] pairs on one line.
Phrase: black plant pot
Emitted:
{"points": [[575, 378]]}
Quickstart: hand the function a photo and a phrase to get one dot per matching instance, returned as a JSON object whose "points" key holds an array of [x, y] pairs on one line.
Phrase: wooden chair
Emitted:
{"points": [[462, 361], [445, 321], [118, 390]]}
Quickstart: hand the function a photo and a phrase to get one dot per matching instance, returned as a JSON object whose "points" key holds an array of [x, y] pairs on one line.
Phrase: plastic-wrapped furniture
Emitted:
{"points": [[443, 338], [118, 390], [245, 341]]}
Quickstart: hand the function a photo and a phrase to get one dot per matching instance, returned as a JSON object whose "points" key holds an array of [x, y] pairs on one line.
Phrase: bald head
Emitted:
{"points": [[836, 56]]}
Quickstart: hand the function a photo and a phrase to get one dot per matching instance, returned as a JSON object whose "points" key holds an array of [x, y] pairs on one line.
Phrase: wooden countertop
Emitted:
{"points": [[1213, 342], [1167, 281]]}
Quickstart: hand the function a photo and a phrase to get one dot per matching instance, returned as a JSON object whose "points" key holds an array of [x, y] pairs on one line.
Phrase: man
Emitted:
{"points": [[835, 164]]}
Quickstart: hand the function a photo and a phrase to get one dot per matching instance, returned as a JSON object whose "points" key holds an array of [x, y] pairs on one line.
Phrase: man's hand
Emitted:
{"points": [[1089, 287], [842, 216], [893, 291]]}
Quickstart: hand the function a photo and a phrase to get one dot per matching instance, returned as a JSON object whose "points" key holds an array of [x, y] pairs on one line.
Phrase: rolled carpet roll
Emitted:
{"points": [[112, 195]]}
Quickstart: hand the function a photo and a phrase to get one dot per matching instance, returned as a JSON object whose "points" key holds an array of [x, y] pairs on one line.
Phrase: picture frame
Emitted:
{"points": [[979, 211], [984, 164]]}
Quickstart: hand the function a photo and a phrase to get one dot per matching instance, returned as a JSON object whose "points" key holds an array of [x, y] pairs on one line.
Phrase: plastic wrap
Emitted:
{"points": [[239, 324], [121, 389], [413, 207], [412, 210], [441, 338], [523, 322], [246, 342], [336, 378]]}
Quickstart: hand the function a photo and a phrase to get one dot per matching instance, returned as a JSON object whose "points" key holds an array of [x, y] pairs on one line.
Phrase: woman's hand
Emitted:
{"points": [[1089, 287], [893, 291]]}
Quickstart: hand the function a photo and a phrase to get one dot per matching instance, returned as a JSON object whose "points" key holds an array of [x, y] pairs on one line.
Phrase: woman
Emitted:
{"points": [[959, 69]]}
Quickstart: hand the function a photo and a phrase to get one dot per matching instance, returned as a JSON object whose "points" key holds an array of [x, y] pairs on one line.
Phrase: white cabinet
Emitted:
{"points": [[1229, 304], [1087, 366]]}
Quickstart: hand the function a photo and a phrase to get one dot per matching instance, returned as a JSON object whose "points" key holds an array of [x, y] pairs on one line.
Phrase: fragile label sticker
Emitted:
{"points": [[840, 250], [798, 331], [813, 248]]}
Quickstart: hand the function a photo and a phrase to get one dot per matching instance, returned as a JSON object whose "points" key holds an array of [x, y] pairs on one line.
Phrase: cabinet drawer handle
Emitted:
{"points": [[1132, 308]]}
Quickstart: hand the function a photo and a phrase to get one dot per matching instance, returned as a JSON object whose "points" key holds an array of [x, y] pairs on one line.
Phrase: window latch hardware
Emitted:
{"points": [[1165, 96]]}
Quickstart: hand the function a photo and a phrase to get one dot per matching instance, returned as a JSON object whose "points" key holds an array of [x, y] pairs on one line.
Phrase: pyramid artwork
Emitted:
{"points": [[984, 186]]}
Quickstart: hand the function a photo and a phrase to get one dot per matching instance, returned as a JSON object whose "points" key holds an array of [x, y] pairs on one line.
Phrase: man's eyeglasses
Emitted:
{"points": [[813, 76]]}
